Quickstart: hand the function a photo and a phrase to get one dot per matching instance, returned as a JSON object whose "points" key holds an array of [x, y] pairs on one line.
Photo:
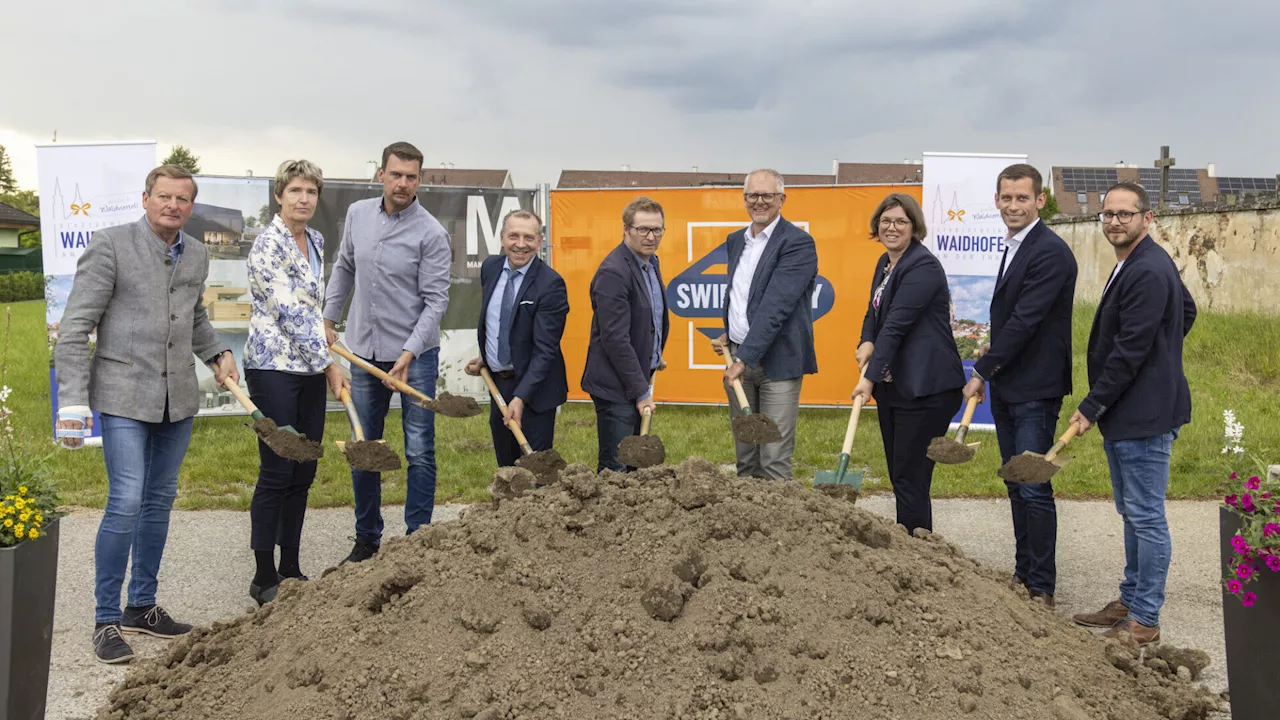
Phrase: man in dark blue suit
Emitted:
{"points": [[1028, 363], [522, 319], [1139, 398], [629, 328], [768, 321]]}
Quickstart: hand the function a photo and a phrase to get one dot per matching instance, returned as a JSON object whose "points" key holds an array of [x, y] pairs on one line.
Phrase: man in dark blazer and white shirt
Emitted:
{"points": [[522, 318], [768, 321], [1139, 398], [1028, 364], [629, 328]]}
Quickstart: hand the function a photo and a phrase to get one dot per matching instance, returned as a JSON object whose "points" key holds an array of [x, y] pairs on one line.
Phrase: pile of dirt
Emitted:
{"points": [[642, 451], [545, 464], [287, 444], [756, 429], [670, 592], [458, 406], [371, 455]]}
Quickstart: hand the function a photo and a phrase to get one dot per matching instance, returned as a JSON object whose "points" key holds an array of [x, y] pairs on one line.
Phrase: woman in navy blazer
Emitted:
{"points": [[913, 367]]}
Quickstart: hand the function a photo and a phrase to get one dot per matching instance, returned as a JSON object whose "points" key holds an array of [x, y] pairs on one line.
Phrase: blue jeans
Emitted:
{"points": [[372, 399], [1022, 427], [1139, 483], [614, 421], [142, 462]]}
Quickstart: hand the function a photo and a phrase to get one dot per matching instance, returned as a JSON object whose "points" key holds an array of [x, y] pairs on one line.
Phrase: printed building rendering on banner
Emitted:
{"points": [[83, 189], [967, 235]]}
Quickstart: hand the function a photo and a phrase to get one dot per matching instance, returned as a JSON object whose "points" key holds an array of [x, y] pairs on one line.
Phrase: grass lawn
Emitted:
{"points": [[1231, 362]]}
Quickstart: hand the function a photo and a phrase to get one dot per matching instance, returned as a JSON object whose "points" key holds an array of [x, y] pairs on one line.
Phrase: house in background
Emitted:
{"points": [[14, 222]]}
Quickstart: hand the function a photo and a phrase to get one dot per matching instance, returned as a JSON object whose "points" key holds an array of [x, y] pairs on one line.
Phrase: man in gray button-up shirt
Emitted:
{"points": [[395, 256]]}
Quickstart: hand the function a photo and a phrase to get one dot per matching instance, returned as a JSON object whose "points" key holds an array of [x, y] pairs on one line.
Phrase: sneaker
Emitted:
{"points": [[1114, 612], [152, 621], [109, 646], [1141, 634], [364, 549]]}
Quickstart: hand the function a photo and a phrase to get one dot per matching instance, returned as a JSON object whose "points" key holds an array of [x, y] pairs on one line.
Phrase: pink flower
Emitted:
{"points": [[1241, 545], [1234, 587], [1273, 563], [1231, 500], [1244, 571], [1246, 503], [1248, 599], [1270, 529], [1234, 476], [1253, 483]]}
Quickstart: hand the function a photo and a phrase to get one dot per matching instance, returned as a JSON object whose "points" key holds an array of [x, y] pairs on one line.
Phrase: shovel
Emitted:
{"points": [[749, 428], [284, 441], [447, 404], [841, 475], [953, 452], [1032, 467], [361, 454], [643, 450], [544, 463]]}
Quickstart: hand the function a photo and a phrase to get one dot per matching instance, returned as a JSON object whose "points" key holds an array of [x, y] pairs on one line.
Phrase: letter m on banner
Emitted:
{"points": [[479, 223]]}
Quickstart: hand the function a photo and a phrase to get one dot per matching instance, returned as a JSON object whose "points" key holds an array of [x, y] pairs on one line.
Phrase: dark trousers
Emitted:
{"points": [[614, 421], [1021, 427], [280, 498], [906, 427], [539, 428]]}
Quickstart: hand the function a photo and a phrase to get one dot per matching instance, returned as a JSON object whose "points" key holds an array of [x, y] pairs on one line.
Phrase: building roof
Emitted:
{"points": [[879, 173], [12, 217], [659, 179]]}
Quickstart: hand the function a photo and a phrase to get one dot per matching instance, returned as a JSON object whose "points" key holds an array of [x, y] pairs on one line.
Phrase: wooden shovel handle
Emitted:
{"points": [[233, 388], [852, 429], [1062, 441], [645, 418], [513, 426], [404, 388], [969, 408], [356, 429], [737, 384]]}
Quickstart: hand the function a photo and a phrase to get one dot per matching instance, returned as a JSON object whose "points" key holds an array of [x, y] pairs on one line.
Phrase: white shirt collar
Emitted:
{"points": [[1021, 235], [766, 233]]}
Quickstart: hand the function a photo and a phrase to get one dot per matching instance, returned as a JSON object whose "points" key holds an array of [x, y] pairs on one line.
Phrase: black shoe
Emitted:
{"points": [[152, 621], [364, 549], [264, 595], [109, 646]]}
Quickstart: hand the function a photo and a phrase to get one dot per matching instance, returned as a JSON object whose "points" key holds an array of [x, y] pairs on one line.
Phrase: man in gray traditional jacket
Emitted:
{"points": [[141, 286]]}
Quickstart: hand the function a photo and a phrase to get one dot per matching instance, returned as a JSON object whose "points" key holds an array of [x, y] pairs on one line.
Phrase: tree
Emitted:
{"points": [[185, 158], [7, 183], [264, 216], [28, 202], [1050, 205], [250, 221]]}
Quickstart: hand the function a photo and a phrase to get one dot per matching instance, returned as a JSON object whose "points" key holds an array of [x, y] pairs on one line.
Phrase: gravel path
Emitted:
{"points": [[207, 567]]}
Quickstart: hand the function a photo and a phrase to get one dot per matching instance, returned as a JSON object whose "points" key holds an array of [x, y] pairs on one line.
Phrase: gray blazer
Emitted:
{"points": [[150, 317]]}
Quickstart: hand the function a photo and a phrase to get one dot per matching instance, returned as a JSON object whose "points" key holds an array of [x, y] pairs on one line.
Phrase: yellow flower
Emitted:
{"points": [[20, 530], [8, 522], [33, 534], [24, 516], [19, 503], [22, 489], [39, 519]]}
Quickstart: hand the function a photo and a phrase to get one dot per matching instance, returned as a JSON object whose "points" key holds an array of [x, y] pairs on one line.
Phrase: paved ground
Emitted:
{"points": [[208, 565]]}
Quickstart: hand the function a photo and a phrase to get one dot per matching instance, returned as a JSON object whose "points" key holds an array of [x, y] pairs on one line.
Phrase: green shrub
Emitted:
{"points": [[19, 286]]}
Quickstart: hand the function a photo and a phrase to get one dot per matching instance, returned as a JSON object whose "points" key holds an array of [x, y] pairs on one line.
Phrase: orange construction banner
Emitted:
{"points": [[587, 224]]}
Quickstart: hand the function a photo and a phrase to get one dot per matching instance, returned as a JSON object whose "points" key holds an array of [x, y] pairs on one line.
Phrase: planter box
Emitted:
{"points": [[28, 579], [1253, 637]]}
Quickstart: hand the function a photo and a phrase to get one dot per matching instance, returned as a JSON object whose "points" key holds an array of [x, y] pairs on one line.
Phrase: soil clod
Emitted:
{"points": [[756, 429], [642, 451], [544, 464], [456, 406], [371, 455], [291, 446]]}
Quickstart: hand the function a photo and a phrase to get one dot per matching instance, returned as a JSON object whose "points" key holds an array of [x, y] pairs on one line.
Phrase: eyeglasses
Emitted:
{"points": [[645, 231], [1123, 216], [757, 197], [895, 222]]}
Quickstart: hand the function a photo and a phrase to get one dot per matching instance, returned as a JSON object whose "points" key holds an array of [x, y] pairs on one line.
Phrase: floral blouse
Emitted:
{"points": [[286, 329]]}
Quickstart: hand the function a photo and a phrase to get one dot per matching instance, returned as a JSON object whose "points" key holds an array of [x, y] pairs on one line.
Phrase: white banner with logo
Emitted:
{"points": [[967, 234], [83, 189]]}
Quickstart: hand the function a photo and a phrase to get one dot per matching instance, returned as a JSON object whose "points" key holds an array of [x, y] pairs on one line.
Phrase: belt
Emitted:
{"points": [[504, 374]]}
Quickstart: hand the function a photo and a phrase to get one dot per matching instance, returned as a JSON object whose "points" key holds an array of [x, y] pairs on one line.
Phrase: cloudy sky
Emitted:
{"points": [[725, 85]]}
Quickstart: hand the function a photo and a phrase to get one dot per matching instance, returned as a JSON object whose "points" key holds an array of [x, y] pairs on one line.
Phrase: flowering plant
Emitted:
{"points": [[27, 496], [1256, 545]]}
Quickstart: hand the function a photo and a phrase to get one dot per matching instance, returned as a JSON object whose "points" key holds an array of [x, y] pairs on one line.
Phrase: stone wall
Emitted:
{"points": [[1229, 256]]}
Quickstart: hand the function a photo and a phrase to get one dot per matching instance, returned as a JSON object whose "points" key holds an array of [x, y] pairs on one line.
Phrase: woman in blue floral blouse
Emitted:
{"points": [[287, 364]]}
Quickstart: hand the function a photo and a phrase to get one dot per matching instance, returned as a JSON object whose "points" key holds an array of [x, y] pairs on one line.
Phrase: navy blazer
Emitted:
{"points": [[620, 351], [1137, 388], [1030, 354], [912, 328], [780, 304], [537, 324]]}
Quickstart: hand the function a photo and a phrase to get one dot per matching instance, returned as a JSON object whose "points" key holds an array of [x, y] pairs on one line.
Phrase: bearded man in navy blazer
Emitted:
{"points": [[1028, 363], [629, 328], [768, 320], [1139, 398], [522, 320]]}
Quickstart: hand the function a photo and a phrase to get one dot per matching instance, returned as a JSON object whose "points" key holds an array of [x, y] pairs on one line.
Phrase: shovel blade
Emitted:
{"points": [[840, 476]]}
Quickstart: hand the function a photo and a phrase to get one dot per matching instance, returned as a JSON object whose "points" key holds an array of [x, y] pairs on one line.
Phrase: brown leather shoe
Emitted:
{"points": [[1140, 633], [1114, 612], [1043, 598]]}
